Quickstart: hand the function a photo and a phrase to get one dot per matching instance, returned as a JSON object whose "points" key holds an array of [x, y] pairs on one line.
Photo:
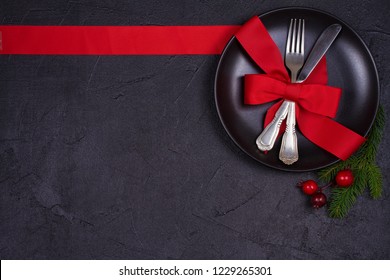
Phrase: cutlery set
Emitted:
{"points": [[294, 61]]}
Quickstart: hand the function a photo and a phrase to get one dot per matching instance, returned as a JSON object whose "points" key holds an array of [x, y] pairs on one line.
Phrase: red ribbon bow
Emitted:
{"points": [[316, 103]]}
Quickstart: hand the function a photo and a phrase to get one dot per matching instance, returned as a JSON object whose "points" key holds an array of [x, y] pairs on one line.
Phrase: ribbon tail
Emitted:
{"points": [[329, 134]]}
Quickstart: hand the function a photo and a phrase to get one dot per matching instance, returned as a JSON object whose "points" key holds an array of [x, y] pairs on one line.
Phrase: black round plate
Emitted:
{"points": [[350, 67]]}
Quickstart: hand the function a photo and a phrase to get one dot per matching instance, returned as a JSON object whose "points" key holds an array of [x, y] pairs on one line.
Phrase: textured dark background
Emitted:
{"points": [[124, 157]]}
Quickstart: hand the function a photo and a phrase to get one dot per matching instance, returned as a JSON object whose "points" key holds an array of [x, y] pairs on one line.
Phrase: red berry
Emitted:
{"points": [[309, 187], [344, 178], [318, 200]]}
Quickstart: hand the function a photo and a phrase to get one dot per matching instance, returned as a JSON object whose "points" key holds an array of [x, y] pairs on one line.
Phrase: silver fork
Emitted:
{"points": [[294, 60]]}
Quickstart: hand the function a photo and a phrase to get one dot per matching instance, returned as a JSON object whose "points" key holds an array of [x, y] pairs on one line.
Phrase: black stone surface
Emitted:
{"points": [[124, 157]]}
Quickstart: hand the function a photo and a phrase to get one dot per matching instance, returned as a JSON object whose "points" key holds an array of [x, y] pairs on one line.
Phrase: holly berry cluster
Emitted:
{"points": [[343, 179]]}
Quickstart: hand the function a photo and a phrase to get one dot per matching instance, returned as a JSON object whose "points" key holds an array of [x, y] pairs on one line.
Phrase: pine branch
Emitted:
{"points": [[328, 174], [344, 198], [374, 179], [367, 173]]}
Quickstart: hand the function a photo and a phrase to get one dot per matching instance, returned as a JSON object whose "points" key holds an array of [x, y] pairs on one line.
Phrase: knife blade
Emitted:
{"points": [[319, 49]]}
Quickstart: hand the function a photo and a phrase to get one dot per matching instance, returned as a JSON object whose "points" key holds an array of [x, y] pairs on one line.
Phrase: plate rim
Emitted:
{"points": [[223, 53]]}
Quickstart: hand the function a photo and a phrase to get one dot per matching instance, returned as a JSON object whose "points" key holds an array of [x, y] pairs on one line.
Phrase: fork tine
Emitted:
{"points": [[303, 37], [294, 36], [298, 46], [288, 44]]}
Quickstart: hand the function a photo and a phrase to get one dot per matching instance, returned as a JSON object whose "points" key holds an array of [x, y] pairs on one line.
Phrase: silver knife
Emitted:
{"points": [[267, 138], [321, 46]]}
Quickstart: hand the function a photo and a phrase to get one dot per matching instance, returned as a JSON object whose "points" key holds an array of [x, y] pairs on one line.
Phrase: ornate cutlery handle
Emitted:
{"points": [[289, 149], [266, 139]]}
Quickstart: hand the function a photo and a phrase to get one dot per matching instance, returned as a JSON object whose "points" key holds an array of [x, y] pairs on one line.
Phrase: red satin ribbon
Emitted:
{"points": [[316, 103], [115, 40], [315, 98], [314, 106]]}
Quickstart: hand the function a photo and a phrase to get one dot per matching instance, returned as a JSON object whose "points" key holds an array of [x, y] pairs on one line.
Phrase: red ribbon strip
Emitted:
{"points": [[316, 103], [314, 98], [115, 40]]}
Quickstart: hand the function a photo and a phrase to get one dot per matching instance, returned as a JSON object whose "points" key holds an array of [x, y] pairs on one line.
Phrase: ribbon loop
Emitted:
{"points": [[319, 99]]}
